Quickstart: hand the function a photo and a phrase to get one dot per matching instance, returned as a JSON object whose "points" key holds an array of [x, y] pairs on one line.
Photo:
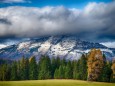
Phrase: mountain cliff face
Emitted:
{"points": [[68, 47]]}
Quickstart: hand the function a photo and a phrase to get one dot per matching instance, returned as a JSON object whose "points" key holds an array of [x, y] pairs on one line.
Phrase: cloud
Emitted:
{"points": [[5, 21], [14, 1], [94, 22]]}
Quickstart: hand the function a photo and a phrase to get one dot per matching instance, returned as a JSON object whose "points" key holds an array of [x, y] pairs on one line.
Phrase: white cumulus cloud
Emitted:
{"points": [[93, 22]]}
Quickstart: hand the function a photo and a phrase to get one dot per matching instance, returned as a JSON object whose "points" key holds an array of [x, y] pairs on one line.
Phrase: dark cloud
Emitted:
{"points": [[95, 22], [5, 21]]}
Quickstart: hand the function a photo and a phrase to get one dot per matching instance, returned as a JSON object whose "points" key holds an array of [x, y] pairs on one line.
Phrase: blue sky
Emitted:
{"points": [[41, 3]]}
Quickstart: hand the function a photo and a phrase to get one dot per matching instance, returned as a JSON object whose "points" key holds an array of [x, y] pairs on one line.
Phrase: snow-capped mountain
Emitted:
{"points": [[2, 46], [68, 47]]}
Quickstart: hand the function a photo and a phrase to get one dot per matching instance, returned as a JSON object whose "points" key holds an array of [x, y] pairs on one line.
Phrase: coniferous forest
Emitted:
{"points": [[92, 67]]}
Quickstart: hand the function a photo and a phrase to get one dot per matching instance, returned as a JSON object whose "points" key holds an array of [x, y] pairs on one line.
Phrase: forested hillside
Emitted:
{"points": [[92, 67]]}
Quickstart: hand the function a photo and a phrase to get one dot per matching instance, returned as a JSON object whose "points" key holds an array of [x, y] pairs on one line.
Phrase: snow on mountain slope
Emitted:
{"points": [[68, 47], [3, 46], [23, 45], [44, 47]]}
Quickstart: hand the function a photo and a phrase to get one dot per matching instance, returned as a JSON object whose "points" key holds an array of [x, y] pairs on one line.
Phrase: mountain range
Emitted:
{"points": [[68, 47]]}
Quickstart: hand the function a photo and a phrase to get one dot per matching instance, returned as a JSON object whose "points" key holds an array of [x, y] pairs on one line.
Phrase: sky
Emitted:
{"points": [[92, 20], [42, 3]]}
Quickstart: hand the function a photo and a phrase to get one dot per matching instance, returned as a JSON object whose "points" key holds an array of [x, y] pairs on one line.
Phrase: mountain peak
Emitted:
{"points": [[69, 47]]}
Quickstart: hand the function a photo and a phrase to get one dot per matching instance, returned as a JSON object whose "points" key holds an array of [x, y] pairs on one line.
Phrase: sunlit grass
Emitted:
{"points": [[54, 83]]}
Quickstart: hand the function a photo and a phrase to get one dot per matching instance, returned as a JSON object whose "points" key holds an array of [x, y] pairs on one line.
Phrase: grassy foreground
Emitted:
{"points": [[53, 83]]}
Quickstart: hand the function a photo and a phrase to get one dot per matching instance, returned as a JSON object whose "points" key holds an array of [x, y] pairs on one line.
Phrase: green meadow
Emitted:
{"points": [[54, 83]]}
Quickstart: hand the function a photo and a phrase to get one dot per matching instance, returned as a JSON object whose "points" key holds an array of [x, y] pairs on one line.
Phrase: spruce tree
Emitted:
{"points": [[27, 68], [14, 75], [68, 70], [56, 74], [61, 71], [113, 71], [33, 72], [44, 68], [4, 72], [83, 67], [22, 69], [106, 72], [53, 66], [76, 70]]}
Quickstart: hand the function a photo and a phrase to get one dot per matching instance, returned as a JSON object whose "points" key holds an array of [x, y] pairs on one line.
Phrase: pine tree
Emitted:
{"points": [[76, 70], [83, 67], [18, 70], [61, 72], [68, 70], [14, 75], [106, 72], [56, 74], [63, 62], [26, 68], [74, 63], [53, 66], [22, 69], [33, 73], [44, 68], [4, 72]]}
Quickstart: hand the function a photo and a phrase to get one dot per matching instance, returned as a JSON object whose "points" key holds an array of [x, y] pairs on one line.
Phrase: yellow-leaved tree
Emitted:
{"points": [[95, 64]]}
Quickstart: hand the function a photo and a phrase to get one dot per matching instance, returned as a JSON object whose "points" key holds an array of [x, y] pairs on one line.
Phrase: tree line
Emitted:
{"points": [[91, 67]]}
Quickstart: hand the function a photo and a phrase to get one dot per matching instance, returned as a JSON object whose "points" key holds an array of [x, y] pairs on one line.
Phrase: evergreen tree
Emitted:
{"points": [[14, 75], [68, 71], [76, 70], [44, 68], [106, 73], [113, 71], [53, 66], [63, 62], [33, 72], [27, 68], [18, 70], [83, 67], [56, 74], [61, 72], [4, 72], [80, 68], [22, 69], [74, 63]]}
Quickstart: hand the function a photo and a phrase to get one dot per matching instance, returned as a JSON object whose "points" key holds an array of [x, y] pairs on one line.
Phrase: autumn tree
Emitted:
{"points": [[95, 64]]}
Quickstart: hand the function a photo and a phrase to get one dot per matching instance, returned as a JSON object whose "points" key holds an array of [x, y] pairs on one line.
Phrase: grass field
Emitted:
{"points": [[54, 83]]}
